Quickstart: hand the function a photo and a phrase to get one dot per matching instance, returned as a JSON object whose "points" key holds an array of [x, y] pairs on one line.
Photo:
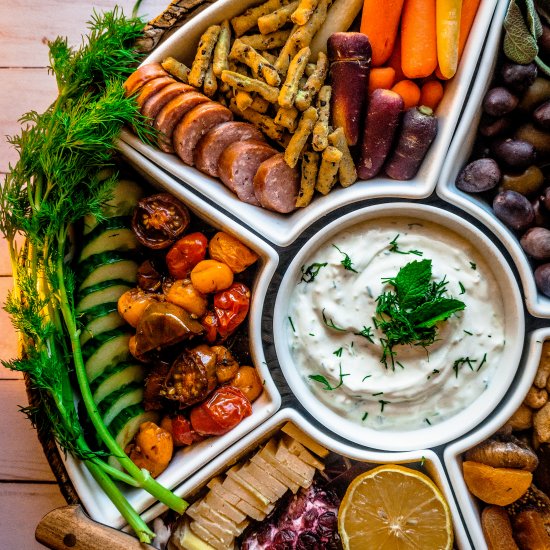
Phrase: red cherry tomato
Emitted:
{"points": [[221, 412], [182, 433], [185, 254], [210, 325], [231, 307]]}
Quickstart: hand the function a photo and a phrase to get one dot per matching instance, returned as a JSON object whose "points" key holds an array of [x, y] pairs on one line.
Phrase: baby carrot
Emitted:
{"points": [[395, 62], [447, 29], [379, 22], [409, 91], [431, 94], [381, 77], [418, 40], [468, 14]]}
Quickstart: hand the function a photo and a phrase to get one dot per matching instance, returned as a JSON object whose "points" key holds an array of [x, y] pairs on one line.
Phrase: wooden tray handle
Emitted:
{"points": [[69, 528]]}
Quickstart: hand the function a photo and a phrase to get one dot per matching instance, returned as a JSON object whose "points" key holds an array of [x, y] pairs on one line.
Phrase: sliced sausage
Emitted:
{"points": [[156, 102], [238, 164], [194, 125], [141, 76], [276, 184], [170, 115], [212, 145], [151, 88]]}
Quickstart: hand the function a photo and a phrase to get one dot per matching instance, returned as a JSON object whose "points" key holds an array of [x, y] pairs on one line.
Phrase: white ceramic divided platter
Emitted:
{"points": [[284, 229], [450, 428], [421, 459], [453, 453], [457, 158], [191, 459]]}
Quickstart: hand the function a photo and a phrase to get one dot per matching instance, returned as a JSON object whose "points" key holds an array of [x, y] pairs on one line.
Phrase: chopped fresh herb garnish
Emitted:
{"points": [[366, 333], [462, 288], [383, 404], [428, 421], [408, 314], [338, 352], [291, 324], [311, 271], [463, 361], [435, 371], [468, 332], [473, 265], [379, 393], [322, 380], [365, 377], [483, 361], [311, 334], [394, 247], [365, 416], [423, 460], [346, 262], [330, 323]]}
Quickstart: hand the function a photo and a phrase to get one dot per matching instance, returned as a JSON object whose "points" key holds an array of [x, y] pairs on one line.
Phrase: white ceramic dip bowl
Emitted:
{"points": [[331, 349]]}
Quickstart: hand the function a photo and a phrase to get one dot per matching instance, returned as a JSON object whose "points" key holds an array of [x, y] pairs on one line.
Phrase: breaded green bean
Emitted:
{"points": [[260, 65], [298, 140], [204, 54], [260, 104], [270, 57], [243, 100], [320, 132], [314, 82], [275, 20], [288, 51], [262, 122], [328, 170], [244, 22], [310, 67], [269, 41], [210, 84], [287, 117], [289, 89], [305, 33], [347, 174], [221, 51], [247, 84], [310, 168], [176, 69], [304, 11]]}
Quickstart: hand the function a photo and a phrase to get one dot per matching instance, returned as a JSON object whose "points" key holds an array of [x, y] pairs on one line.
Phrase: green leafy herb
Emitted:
{"points": [[468, 332], [325, 383], [291, 324], [366, 332], [473, 265], [462, 288], [338, 352], [483, 361], [423, 460], [519, 43], [365, 416], [463, 361], [394, 247], [379, 393], [434, 372], [409, 314], [383, 404], [330, 323], [346, 262], [365, 377], [311, 271]]}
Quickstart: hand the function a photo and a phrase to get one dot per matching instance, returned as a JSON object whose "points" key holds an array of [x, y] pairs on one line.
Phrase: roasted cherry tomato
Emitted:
{"points": [[221, 412], [186, 253], [181, 430], [231, 307], [159, 220], [210, 325], [229, 250], [149, 277]]}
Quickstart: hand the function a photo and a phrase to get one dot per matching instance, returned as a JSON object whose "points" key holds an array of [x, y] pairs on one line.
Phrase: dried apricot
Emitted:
{"points": [[497, 529], [500, 486]]}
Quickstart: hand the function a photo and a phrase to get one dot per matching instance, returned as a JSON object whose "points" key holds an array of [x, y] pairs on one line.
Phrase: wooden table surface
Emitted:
{"points": [[27, 486]]}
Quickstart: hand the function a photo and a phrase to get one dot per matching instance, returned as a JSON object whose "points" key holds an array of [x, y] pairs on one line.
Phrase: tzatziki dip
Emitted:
{"points": [[397, 280]]}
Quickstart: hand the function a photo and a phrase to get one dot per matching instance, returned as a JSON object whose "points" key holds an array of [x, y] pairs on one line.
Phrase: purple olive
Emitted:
{"points": [[518, 77], [542, 278], [514, 210], [478, 176], [499, 102], [491, 126], [536, 243], [516, 153]]}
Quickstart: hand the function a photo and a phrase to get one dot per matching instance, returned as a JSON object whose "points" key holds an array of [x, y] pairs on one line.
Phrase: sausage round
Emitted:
{"points": [[211, 146], [151, 88], [170, 115], [156, 102], [238, 164], [276, 184], [141, 76], [194, 125]]}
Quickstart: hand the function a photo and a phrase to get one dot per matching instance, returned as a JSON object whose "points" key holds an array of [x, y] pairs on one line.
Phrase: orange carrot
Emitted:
{"points": [[469, 10], [409, 91], [439, 74], [418, 42], [379, 22], [431, 94], [395, 62], [447, 29], [381, 77]]}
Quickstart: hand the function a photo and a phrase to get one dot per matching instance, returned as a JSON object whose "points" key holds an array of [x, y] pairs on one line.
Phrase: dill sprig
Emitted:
{"points": [[58, 178]]}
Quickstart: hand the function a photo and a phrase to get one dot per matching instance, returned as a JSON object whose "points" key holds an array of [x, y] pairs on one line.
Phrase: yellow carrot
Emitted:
{"points": [[448, 32]]}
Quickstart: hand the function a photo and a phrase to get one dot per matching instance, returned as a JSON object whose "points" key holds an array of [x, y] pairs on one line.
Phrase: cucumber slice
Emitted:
{"points": [[126, 424], [101, 318], [117, 376], [106, 349], [124, 397], [126, 195], [105, 292], [107, 266], [111, 234]]}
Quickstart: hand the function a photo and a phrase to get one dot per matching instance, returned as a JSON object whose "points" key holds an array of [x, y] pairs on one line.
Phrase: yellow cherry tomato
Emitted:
{"points": [[211, 276]]}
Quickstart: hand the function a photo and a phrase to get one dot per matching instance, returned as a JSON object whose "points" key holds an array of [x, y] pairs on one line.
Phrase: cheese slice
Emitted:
{"points": [[242, 505], [202, 510], [246, 479], [302, 453], [211, 534], [293, 431], [292, 461], [223, 507], [278, 488], [187, 540], [268, 454], [275, 473], [237, 489]]}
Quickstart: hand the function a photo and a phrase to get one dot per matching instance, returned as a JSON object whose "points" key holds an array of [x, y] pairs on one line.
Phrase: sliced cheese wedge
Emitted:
{"points": [[292, 461], [302, 453], [293, 431], [209, 533], [228, 510], [187, 540], [245, 478], [278, 488], [275, 473]]}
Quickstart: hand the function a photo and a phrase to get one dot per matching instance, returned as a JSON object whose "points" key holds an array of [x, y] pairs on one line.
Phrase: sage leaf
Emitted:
{"points": [[519, 44], [533, 19]]}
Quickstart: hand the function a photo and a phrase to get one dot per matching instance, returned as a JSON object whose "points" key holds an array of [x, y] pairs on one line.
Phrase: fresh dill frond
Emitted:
{"points": [[346, 262]]}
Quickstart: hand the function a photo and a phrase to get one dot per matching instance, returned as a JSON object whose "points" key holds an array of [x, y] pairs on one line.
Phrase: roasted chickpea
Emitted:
{"points": [[185, 295], [132, 304], [229, 250], [153, 448], [248, 381], [211, 276]]}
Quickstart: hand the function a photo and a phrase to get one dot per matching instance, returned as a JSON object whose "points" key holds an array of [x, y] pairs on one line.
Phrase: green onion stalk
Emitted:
{"points": [[54, 183]]}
